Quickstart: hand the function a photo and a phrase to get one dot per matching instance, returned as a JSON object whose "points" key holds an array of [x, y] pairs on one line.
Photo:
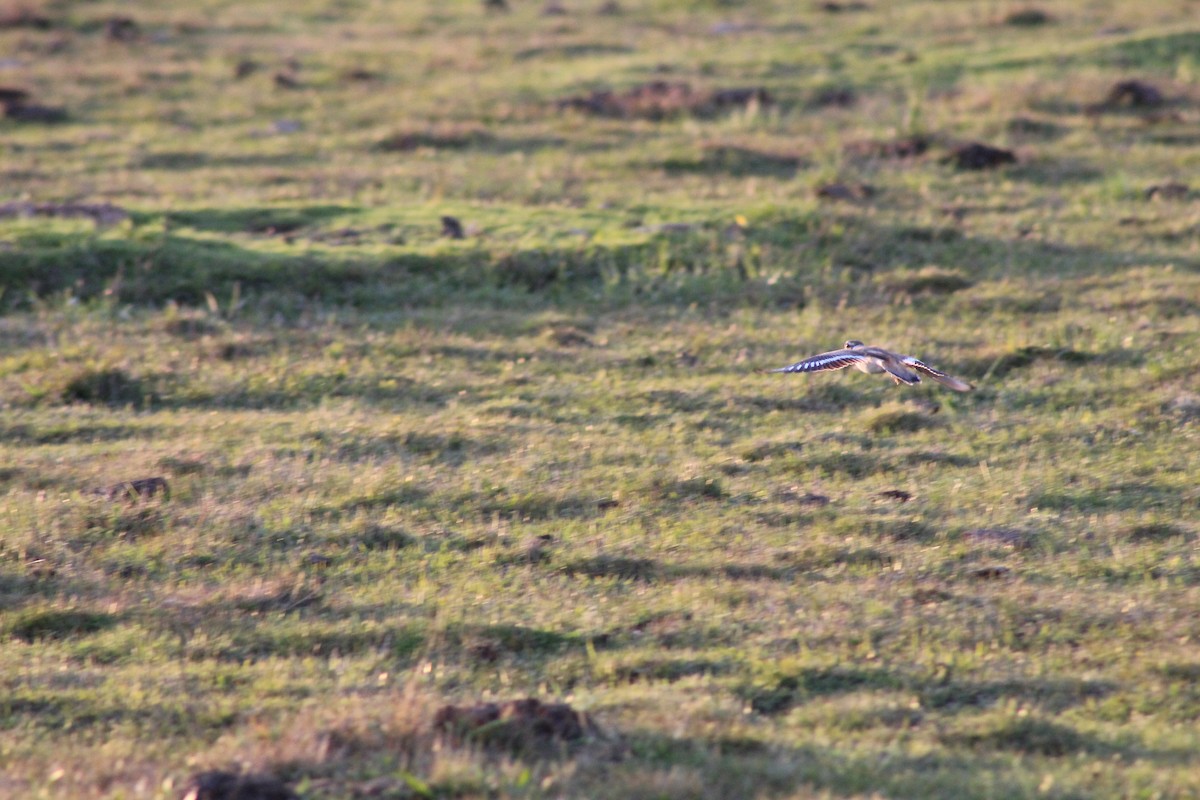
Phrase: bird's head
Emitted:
{"points": [[852, 343]]}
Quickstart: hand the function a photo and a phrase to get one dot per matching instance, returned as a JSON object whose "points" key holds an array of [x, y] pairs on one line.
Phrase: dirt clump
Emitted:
{"points": [[15, 105], [122, 29], [521, 726], [841, 8], [23, 15], [1171, 190], [833, 97], [217, 785], [1027, 18], [1135, 94], [245, 68]]}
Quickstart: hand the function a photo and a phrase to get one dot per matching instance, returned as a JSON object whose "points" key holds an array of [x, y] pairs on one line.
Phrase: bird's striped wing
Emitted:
{"points": [[939, 376], [823, 362]]}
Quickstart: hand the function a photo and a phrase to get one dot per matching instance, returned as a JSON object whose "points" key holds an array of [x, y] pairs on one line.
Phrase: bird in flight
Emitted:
{"points": [[874, 360]]}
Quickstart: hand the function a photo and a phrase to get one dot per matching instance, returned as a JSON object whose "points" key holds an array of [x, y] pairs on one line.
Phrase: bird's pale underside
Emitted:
{"points": [[875, 360]]}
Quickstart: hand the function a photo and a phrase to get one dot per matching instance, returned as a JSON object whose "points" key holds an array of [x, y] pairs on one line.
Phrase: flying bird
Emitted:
{"points": [[874, 360]]}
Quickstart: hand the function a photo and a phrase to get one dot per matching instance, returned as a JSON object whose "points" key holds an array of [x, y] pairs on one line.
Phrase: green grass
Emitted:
{"points": [[542, 460]]}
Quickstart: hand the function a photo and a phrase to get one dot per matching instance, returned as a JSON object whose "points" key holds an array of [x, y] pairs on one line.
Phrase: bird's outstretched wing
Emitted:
{"points": [[823, 362], [945, 380]]}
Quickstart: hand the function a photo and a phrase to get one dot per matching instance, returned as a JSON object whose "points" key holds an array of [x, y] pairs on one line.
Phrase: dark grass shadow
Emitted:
{"points": [[1121, 496], [682, 402], [671, 630], [800, 393], [941, 691], [872, 559], [309, 390], [52, 624], [790, 690], [454, 449], [623, 568], [779, 393], [82, 710], [1023, 357], [256, 219], [846, 463], [748, 767], [916, 458], [241, 642], [473, 139], [188, 270], [875, 249], [568, 51], [649, 570], [669, 670], [1051, 694], [528, 506], [1031, 736], [1033, 129], [76, 433], [1148, 54], [737, 162], [183, 160], [488, 643], [1186, 139], [10, 475], [1055, 173], [402, 495], [640, 422], [374, 537], [42, 580]]}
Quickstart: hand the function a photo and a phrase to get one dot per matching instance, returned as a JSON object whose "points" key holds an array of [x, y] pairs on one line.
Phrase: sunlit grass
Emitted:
{"points": [[543, 460]]}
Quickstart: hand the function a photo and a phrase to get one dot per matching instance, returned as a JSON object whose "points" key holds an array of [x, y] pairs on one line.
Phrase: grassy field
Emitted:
{"points": [[541, 460]]}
